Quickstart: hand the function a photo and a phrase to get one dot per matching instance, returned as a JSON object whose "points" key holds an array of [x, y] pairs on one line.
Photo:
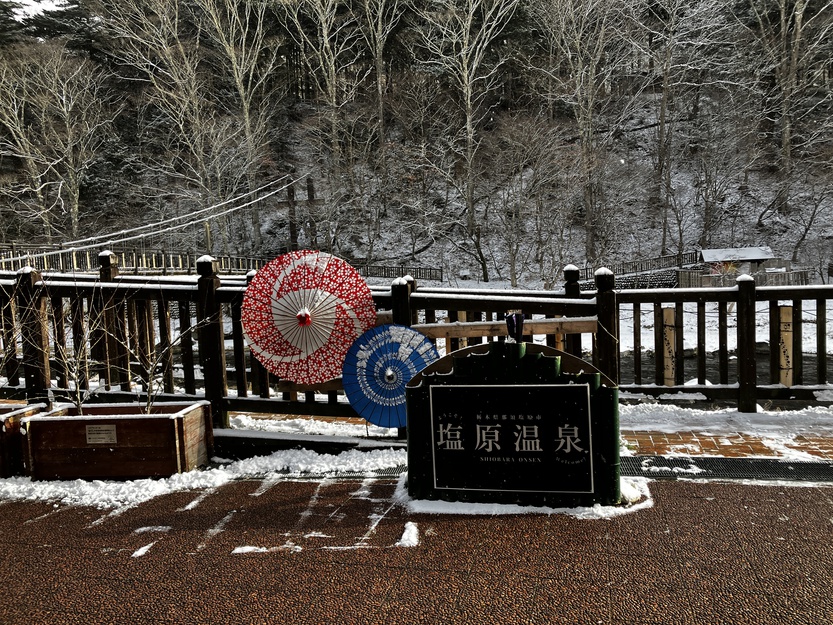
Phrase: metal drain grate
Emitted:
{"points": [[661, 467]]}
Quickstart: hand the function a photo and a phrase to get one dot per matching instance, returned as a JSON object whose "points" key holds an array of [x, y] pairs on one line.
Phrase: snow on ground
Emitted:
{"points": [[777, 430], [780, 428], [105, 494], [309, 426]]}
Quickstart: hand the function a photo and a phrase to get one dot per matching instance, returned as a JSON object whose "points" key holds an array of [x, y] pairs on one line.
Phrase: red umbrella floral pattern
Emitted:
{"points": [[302, 312]]}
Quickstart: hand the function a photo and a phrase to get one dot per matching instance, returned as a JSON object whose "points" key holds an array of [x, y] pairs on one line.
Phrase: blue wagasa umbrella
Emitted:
{"points": [[377, 367]]}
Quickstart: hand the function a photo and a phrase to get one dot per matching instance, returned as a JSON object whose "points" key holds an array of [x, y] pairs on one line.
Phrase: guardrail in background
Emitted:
{"points": [[170, 263]]}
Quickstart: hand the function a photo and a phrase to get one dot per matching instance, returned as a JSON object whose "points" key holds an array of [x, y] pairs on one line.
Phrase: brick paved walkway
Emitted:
{"points": [[319, 552], [647, 443], [296, 552]]}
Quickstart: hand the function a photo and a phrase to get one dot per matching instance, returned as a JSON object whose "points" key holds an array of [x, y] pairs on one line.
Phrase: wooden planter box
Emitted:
{"points": [[11, 441], [118, 441]]}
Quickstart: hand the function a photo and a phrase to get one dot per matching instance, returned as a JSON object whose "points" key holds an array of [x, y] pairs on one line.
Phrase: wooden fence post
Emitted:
{"points": [[31, 306], [607, 335], [669, 342], [821, 341], [747, 371], [412, 287], [212, 349], [572, 342], [785, 345], [9, 324], [292, 216], [117, 361], [400, 291], [108, 266]]}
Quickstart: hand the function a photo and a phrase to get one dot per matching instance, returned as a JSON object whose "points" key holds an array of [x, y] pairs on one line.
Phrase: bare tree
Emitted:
{"points": [[461, 41], [330, 45], [58, 117], [790, 51], [677, 45], [197, 151], [721, 150], [248, 49], [589, 44], [816, 207], [380, 20], [528, 162]]}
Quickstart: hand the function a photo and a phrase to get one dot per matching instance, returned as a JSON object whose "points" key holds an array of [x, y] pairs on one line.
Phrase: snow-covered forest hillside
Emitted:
{"points": [[506, 138]]}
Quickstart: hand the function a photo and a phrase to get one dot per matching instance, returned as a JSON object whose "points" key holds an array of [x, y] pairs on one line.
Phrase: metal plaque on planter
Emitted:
{"points": [[505, 423]]}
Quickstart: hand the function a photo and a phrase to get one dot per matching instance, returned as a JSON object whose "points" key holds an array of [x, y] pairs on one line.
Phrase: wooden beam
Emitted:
{"points": [[459, 329]]}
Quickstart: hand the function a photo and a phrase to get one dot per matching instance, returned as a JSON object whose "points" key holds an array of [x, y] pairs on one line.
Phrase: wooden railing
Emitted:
{"points": [[136, 261], [112, 336], [156, 262], [750, 344], [645, 265], [699, 279]]}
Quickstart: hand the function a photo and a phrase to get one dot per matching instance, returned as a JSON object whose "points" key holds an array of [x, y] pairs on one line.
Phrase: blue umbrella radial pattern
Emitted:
{"points": [[378, 366]]}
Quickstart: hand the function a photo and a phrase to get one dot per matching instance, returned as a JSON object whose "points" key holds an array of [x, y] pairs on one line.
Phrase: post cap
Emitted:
{"points": [[106, 258], [207, 265], [605, 280], [571, 273]]}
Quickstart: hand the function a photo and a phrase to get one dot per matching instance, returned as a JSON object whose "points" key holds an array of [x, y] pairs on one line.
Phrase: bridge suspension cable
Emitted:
{"points": [[197, 217]]}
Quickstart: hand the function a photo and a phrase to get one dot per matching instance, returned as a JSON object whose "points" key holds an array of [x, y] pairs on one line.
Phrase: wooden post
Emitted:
{"points": [[12, 368], [659, 343], [798, 336], [108, 266], [774, 342], [260, 376], [821, 341], [212, 351], [186, 347], [462, 317], [785, 345], [412, 287], [60, 336], [637, 343], [79, 342], [572, 342], [145, 340], [122, 351], [669, 341], [400, 291], [239, 348], [292, 217], [679, 346], [723, 341], [747, 371], [607, 335], [166, 355], [701, 342], [31, 306], [114, 340]]}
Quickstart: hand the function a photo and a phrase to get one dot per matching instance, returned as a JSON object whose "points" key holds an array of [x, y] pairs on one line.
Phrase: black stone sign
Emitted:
{"points": [[503, 423], [512, 438]]}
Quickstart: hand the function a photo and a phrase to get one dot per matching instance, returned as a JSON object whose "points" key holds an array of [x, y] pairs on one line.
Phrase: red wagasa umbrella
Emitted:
{"points": [[302, 312]]}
